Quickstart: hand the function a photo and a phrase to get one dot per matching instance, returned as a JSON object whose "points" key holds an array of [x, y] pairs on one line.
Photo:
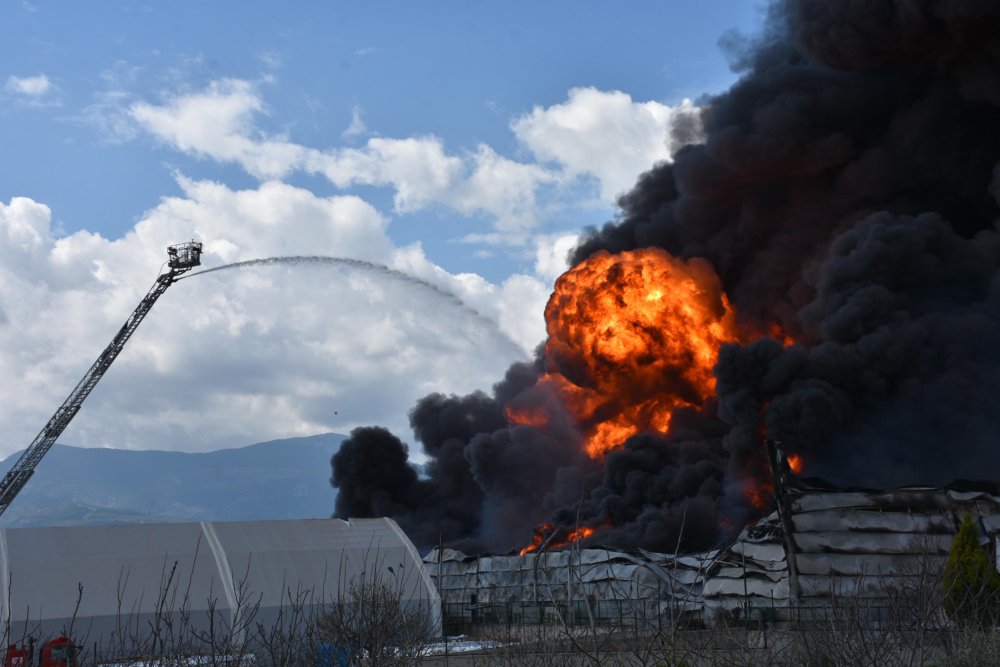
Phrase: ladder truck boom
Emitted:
{"points": [[181, 258]]}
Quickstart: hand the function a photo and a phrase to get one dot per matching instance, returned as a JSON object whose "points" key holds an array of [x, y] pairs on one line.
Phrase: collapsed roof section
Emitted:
{"points": [[823, 541], [820, 542], [610, 582]]}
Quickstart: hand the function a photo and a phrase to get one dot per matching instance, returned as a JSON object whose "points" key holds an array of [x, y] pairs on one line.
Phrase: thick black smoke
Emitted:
{"points": [[847, 189]]}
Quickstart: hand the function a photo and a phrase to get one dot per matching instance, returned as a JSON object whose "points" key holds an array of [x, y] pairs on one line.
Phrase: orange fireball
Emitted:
{"points": [[632, 337]]}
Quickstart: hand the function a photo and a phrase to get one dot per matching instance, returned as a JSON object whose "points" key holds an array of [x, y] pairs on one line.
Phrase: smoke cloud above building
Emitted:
{"points": [[842, 197]]}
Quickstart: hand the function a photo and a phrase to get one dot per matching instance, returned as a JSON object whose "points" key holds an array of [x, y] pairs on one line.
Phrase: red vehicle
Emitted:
{"points": [[57, 652]]}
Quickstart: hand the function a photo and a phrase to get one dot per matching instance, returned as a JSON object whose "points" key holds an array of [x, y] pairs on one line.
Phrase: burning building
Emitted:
{"points": [[819, 263], [572, 585], [873, 550], [824, 542]]}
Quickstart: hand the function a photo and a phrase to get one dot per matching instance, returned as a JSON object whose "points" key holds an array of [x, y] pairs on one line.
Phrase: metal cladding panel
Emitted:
{"points": [[861, 587], [555, 559], [588, 556], [741, 587], [966, 496], [740, 573], [445, 555], [730, 603], [870, 564], [686, 577], [911, 498], [773, 552], [830, 500], [991, 522], [872, 543], [602, 574], [872, 520]]}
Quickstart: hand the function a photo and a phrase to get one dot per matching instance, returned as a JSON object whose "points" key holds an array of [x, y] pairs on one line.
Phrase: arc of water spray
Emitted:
{"points": [[366, 266]]}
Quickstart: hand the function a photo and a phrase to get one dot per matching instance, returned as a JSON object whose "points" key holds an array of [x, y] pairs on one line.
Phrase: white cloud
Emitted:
{"points": [[31, 86], [552, 254], [517, 303], [423, 174], [218, 123], [604, 134], [235, 357], [109, 112], [109, 115], [24, 226], [522, 309], [357, 126], [418, 168], [504, 188], [270, 60]]}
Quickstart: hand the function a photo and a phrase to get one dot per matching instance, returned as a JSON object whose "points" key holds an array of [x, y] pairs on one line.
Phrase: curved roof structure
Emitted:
{"points": [[131, 579]]}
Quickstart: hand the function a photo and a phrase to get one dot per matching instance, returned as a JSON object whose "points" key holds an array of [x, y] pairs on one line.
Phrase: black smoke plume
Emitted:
{"points": [[846, 189]]}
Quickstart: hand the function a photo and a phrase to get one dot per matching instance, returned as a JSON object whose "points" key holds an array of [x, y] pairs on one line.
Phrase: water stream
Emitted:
{"points": [[373, 267]]}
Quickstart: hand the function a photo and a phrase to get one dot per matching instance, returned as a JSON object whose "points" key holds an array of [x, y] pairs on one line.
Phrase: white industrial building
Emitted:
{"points": [[205, 577]]}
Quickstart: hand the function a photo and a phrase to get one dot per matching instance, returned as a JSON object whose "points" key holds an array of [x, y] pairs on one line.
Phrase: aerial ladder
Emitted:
{"points": [[181, 258]]}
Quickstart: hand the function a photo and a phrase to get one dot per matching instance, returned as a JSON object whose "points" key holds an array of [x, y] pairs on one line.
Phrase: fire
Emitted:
{"points": [[795, 463], [537, 539], [543, 531], [758, 493], [632, 337]]}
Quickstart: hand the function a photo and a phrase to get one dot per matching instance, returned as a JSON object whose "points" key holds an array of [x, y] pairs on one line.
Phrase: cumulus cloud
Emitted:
{"points": [[423, 174], [604, 134], [218, 123], [245, 355], [241, 356], [552, 254]]}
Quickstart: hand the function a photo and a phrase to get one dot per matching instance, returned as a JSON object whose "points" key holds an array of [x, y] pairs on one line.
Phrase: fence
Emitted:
{"points": [[461, 618]]}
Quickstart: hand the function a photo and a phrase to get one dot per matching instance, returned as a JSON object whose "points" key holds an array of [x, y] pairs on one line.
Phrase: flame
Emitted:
{"points": [[775, 331], [632, 337], [527, 415], [537, 539], [757, 493], [795, 463], [543, 531]]}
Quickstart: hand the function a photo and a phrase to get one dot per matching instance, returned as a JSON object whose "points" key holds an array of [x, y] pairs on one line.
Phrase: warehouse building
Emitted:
{"points": [[105, 585], [821, 544]]}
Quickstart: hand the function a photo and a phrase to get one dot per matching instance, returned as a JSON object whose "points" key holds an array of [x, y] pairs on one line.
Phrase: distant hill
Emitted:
{"points": [[281, 479]]}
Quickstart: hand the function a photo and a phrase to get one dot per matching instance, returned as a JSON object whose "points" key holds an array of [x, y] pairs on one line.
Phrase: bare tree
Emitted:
{"points": [[374, 617]]}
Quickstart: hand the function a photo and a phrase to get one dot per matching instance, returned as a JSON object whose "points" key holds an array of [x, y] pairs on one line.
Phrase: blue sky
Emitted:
{"points": [[465, 143]]}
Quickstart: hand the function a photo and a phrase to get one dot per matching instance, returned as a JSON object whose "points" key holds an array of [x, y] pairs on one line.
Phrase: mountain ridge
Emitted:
{"points": [[277, 479]]}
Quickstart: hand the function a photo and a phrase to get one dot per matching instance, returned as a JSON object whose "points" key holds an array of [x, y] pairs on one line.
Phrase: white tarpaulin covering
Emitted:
{"points": [[128, 571]]}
